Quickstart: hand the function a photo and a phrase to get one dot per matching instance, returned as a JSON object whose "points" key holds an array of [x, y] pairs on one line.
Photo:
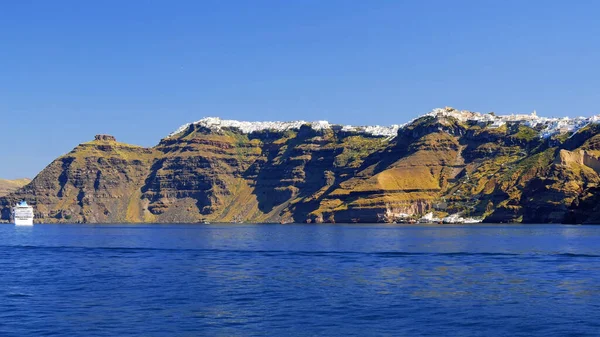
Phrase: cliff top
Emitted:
{"points": [[108, 140], [548, 126], [215, 123]]}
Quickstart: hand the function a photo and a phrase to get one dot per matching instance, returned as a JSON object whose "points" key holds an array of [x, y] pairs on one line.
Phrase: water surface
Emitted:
{"points": [[299, 280]]}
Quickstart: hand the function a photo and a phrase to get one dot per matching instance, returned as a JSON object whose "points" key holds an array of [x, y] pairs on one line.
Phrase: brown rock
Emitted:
{"points": [[105, 138]]}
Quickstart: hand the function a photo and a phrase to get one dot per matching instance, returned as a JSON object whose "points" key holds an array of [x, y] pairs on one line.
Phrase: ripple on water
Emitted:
{"points": [[299, 280]]}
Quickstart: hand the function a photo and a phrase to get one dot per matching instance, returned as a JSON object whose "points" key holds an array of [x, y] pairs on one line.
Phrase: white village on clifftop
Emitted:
{"points": [[549, 125]]}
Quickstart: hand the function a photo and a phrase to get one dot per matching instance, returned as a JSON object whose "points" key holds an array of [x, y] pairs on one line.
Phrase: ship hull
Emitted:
{"points": [[24, 222]]}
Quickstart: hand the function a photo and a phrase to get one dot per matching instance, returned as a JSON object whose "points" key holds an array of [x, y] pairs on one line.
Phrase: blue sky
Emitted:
{"points": [[139, 69]]}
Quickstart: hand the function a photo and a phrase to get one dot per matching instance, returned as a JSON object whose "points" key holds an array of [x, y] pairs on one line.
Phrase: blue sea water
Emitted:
{"points": [[299, 280]]}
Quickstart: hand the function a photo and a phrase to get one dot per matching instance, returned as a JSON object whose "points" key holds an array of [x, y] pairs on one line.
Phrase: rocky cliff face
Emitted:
{"points": [[97, 181], [501, 168]]}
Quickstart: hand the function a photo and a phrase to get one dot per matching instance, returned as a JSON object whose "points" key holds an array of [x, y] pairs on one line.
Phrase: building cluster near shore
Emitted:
{"points": [[393, 216]]}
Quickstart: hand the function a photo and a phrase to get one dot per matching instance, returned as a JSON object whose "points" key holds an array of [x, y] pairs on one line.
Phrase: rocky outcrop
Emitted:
{"points": [[105, 138], [504, 169]]}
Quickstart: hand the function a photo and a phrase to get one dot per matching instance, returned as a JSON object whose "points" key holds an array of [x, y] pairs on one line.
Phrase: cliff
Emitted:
{"points": [[518, 168], [98, 181]]}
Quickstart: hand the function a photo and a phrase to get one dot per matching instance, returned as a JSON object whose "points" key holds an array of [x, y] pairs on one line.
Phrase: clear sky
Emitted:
{"points": [[140, 69]]}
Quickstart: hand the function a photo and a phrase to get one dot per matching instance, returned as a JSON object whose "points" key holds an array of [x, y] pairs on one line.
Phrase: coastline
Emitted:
{"points": [[4, 222]]}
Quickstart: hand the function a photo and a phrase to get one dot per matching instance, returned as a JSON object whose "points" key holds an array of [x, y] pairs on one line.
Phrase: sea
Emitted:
{"points": [[300, 280]]}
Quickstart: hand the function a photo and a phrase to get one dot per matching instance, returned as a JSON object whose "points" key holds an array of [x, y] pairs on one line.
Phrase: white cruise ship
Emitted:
{"points": [[23, 214]]}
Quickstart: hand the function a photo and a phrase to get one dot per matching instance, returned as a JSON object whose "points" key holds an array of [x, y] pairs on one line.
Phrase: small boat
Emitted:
{"points": [[23, 214]]}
